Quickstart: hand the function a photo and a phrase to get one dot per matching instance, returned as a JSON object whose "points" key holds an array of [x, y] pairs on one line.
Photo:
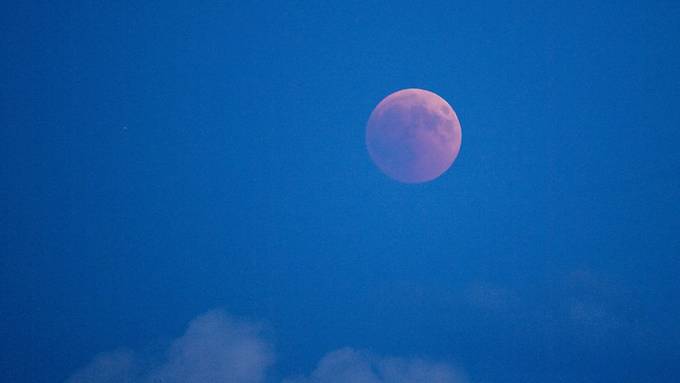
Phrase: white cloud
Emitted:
{"points": [[215, 348], [350, 366], [219, 349], [592, 306]]}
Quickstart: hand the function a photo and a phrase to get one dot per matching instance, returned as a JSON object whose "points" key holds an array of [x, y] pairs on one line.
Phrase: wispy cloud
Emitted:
{"points": [[217, 348], [592, 304]]}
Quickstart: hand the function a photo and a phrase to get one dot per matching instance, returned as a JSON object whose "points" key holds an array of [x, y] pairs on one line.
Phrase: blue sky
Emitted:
{"points": [[163, 161]]}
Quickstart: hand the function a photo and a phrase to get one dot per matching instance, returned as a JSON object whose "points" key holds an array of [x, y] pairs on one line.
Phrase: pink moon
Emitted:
{"points": [[413, 135]]}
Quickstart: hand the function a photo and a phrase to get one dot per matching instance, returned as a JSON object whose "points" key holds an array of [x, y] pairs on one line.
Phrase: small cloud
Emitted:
{"points": [[592, 307], [215, 348], [349, 366]]}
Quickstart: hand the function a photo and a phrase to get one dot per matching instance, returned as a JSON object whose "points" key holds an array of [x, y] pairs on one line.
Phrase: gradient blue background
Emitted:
{"points": [[161, 160]]}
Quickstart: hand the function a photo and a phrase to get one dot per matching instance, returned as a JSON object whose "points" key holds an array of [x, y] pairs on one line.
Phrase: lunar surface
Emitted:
{"points": [[413, 135]]}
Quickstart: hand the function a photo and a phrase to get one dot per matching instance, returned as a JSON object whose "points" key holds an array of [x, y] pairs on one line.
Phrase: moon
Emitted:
{"points": [[413, 135]]}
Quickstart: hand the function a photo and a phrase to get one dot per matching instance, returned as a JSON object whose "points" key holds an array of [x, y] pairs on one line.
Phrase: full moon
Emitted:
{"points": [[413, 135]]}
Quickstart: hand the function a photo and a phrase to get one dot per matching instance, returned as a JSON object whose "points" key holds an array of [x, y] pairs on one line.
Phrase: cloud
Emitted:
{"points": [[349, 366], [593, 302], [216, 348]]}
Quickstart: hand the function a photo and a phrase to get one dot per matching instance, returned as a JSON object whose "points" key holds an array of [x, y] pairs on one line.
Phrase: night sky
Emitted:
{"points": [[186, 194]]}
